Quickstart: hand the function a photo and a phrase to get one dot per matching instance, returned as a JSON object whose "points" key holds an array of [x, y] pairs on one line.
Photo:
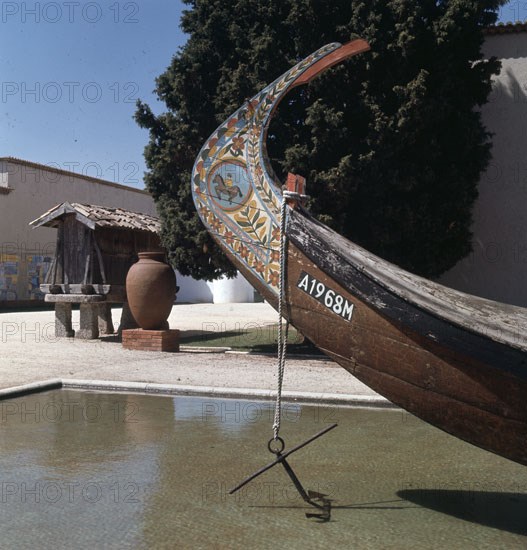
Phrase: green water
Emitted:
{"points": [[95, 470]]}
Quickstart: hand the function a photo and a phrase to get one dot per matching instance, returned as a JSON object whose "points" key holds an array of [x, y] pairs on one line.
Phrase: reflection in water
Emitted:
{"points": [[93, 470], [78, 455]]}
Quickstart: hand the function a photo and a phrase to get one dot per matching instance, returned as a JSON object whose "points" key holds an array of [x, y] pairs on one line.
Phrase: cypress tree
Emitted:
{"points": [[391, 142]]}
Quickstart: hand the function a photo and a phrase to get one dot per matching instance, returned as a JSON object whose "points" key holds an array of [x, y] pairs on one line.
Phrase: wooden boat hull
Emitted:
{"points": [[457, 361], [466, 397]]}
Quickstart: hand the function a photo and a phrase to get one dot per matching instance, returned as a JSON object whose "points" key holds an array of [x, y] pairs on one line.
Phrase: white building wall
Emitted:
{"points": [[26, 192], [222, 291], [237, 290], [193, 291], [497, 268]]}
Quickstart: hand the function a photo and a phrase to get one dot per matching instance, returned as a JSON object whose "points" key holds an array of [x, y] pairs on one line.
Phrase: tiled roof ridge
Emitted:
{"points": [[101, 216], [113, 209], [509, 27]]}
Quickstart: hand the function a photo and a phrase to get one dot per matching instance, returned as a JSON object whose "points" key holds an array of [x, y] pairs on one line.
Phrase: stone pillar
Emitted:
{"points": [[105, 319], [89, 321], [63, 328]]}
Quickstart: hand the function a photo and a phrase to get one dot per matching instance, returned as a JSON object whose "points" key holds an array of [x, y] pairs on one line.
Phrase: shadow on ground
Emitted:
{"points": [[262, 340], [504, 511]]}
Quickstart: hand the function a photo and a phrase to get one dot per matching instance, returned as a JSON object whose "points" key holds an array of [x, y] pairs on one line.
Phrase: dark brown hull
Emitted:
{"points": [[457, 361], [467, 397]]}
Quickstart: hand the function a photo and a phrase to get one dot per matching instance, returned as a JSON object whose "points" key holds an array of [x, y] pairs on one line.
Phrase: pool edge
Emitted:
{"points": [[356, 400], [32, 387], [306, 398]]}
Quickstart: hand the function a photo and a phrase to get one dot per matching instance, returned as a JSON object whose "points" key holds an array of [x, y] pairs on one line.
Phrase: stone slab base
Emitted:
{"points": [[151, 340]]}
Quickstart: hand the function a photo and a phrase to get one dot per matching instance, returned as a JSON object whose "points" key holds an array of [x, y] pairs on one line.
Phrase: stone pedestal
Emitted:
{"points": [[89, 322], [151, 340], [89, 314], [63, 328], [105, 319]]}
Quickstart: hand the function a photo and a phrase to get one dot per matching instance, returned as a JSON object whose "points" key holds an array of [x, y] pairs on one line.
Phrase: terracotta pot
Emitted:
{"points": [[151, 290]]}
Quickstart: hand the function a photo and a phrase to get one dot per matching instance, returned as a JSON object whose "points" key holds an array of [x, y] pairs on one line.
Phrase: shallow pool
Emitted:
{"points": [[102, 470]]}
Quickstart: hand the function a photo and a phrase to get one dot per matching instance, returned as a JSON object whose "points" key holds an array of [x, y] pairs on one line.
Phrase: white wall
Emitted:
{"points": [[24, 250], [236, 290], [497, 269], [222, 291], [192, 291]]}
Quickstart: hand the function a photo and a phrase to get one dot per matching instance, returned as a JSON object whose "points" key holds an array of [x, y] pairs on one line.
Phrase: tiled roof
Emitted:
{"points": [[99, 216], [507, 28]]}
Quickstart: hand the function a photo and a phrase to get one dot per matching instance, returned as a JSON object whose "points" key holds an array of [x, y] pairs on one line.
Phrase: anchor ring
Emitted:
{"points": [[280, 445]]}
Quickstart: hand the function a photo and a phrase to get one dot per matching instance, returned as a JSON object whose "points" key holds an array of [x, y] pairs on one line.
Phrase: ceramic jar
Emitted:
{"points": [[151, 290]]}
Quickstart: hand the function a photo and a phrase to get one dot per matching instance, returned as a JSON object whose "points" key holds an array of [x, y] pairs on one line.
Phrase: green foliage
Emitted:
{"points": [[391, 142]]}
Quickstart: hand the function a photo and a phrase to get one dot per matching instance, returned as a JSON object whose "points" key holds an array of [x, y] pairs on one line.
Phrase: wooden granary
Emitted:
{"points": [[96, 246]]}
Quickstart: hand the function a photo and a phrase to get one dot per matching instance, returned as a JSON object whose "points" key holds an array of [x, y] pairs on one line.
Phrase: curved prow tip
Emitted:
{"points": [[347, 50]]}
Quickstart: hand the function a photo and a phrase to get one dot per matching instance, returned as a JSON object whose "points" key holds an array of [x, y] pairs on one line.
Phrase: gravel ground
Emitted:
{"points": [[29, 352]]}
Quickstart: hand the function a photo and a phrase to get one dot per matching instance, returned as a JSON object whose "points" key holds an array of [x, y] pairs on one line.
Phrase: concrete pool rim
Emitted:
{"points": [[306, 398]]}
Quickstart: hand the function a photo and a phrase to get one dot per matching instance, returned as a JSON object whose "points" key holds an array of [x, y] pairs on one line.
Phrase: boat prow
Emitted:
{"points": [[457, 361]]}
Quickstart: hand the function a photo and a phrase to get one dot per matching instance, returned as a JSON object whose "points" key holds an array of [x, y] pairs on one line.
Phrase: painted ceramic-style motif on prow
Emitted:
{"points": [[228, 185], [236, 197]]}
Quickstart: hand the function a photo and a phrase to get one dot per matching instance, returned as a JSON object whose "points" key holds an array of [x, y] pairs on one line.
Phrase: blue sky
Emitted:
{"points": [[513, 11], [72, 71]]}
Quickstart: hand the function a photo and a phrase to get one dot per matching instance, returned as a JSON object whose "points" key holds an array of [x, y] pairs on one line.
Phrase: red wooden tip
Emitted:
{"points": [[347, 50]]}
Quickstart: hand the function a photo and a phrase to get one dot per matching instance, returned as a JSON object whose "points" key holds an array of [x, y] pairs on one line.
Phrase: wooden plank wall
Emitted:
{"points": [[119, 248], [78, 260], [76, 249]]}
